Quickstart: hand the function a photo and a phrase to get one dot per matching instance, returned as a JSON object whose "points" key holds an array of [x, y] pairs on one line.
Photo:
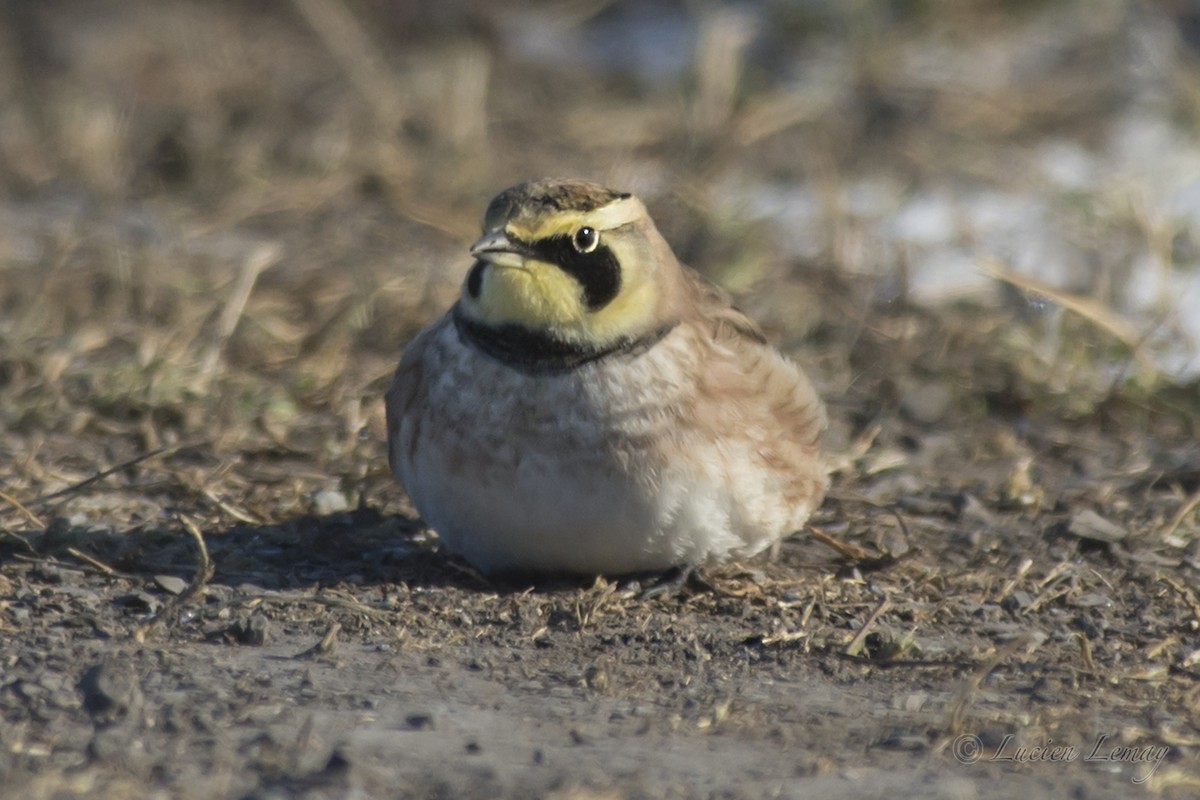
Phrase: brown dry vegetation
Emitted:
{"points": [[219, 223]]}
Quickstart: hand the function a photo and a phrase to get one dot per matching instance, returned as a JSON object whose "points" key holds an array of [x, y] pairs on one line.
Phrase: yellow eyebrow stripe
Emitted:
{"points": [[613, 215], [564, 223]]}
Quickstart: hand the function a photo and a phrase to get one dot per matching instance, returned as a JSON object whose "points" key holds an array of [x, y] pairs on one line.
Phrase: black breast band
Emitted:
{"points": [[538, 353]]}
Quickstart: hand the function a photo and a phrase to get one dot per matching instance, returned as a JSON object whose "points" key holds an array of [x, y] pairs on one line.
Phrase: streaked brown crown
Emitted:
{"points": [[546, 196]]}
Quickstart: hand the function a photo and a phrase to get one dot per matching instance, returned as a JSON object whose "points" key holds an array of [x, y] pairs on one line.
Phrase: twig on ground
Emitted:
{"points": [[204, 571], [29, 515], [1187, 594], [99, 476], [857, 554], [856, 643], [1188, 507], [24, 542], [50, 562], [324, 600], [326, 646], [911, 663], [1085, 652], [850, 552], [95, 562], [1011, 584], [204, 567], [966, 693], [239, 514]]}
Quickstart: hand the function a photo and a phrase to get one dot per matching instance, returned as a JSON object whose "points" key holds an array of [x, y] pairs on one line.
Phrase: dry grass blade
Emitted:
{"points": [[1187, 594], [1085, 652], [720, 60], [99, 476], [326, 646], [855, 644], [95, 562], [323, 600], [204, 566], [1097, 314], [589, 605], [204, 572], [1011, 584], [966, 694], [850, 552], [237, 513], [261, 259], [1188, 507], [29, 515], [348, 42]]}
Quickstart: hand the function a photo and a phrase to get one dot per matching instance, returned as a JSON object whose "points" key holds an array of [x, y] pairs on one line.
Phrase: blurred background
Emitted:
{"points": [[221, 221]]}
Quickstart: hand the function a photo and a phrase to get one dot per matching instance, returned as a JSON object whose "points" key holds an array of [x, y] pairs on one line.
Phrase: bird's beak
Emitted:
{"points": [[496, 248]]}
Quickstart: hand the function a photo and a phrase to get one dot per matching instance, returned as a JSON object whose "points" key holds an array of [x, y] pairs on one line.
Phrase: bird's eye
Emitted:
{"points": [[585, 239]]}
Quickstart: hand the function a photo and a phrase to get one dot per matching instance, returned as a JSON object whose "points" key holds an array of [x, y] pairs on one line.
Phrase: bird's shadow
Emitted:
{"points": [[360, 548], [363, 547]]}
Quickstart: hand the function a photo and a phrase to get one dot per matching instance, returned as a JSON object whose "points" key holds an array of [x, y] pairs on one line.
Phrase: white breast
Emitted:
{"points": [[590, 471]]}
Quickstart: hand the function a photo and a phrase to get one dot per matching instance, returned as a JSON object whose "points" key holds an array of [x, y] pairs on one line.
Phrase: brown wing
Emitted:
{"points": [[714, 303], [760, 393]]}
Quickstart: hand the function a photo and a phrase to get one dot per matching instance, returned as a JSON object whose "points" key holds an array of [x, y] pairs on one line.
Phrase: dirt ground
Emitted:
{"points": [[220, 222]]}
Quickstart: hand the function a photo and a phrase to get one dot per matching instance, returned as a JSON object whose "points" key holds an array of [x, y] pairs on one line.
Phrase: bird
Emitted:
{"points": [[591, 406]]}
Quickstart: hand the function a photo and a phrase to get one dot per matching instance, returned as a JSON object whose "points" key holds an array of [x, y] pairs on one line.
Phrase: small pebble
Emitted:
{"points": [[254, 630], [139, 601], [420, 722], [1087, 524], [927, 401], [971, 509], [1018, 600], [329, 501], [1093, 600], [171, 584], [109, 694]]}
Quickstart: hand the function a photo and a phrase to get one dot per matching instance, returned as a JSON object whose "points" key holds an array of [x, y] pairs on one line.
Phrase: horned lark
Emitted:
{"points": [[590, 405]]}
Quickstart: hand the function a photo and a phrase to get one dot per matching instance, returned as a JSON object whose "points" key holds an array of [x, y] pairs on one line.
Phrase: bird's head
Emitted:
{"points": [[571, 261]]}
